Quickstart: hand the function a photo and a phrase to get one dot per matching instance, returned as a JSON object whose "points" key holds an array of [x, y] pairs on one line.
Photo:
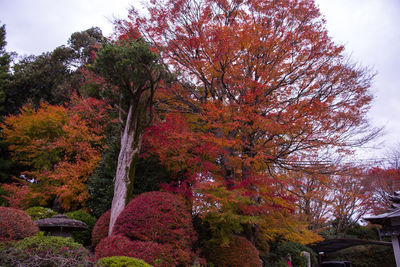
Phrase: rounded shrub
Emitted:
{"points": [[15, 224], [43, 250], [82, 237], [151, 252], [121, 261], [38, 213], [239, 253], [159, 217], [114, 245], [100, 229]]}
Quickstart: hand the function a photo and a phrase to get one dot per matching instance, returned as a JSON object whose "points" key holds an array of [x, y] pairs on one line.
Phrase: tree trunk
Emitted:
{"points": [[131, 140]]}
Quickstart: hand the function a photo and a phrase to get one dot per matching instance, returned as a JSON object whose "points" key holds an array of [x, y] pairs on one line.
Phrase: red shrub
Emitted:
{"points": [[239, 253], [115, 245], [151, 252], [16, 224], [159, 217], [100, 229]]}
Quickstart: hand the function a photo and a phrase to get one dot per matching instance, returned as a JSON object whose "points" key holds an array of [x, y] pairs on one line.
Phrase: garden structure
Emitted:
{"points": [[60, 225], [390, 222]]}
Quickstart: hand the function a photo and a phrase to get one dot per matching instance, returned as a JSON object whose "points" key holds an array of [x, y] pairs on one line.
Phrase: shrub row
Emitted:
{"points": [[40, 250]]}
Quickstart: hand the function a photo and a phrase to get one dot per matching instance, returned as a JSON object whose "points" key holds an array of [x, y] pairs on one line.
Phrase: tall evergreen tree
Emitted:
{"points": [[7, 166], [4, 67]]}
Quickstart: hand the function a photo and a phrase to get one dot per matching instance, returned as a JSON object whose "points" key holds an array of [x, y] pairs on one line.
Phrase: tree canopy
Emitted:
{"points": [[261, 90]]}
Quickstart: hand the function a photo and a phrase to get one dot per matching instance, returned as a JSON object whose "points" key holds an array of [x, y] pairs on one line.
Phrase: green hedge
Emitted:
{"points": [[122, 261], [82, 237], [38, 213], [49, 251]]}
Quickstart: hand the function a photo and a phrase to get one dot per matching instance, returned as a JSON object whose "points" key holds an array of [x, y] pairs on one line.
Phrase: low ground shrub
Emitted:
{"points": [[121, 261], [49, 251], [115, 245], [239, 253], [15, 224], [100, 229], [82, 237], [38, 213], [151, 252]]}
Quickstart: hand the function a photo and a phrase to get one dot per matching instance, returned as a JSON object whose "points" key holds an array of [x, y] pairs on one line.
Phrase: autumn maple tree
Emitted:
{"points": [[59, 148], [261, 89], [313, 194], [382, 182], [351, 199]]}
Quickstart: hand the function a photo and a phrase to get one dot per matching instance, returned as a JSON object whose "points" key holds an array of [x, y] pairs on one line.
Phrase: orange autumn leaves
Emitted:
{"points": [[59, 148]]}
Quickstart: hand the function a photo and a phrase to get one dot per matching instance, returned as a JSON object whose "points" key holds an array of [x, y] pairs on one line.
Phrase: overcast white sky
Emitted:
{"points": [[369, 29]]}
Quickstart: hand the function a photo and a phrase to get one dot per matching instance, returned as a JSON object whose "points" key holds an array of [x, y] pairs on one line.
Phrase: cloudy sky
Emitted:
{"points": [[369, 29]]}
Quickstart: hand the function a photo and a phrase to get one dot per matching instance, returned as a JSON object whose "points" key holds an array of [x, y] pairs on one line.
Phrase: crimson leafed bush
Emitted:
{"points": [[151, 252], [15, 224], [159, 217], [114, 245], [239, 253], [100, 229]]}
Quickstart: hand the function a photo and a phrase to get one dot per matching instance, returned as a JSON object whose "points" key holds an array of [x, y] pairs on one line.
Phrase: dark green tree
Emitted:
{"points": [[8, 168], [42, 78], [149, 175], [84, 43], [52, 76], [4, 68]]}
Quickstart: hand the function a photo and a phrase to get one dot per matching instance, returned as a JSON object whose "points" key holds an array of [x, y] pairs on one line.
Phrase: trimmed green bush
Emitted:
{"points": [[122, 261], [40, 242], [38, 213], [82, 237], [49, 251]]}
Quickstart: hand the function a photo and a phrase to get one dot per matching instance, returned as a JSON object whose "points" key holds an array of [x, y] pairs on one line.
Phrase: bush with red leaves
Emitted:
{"points": [[151, 252], [15, 224], [159, 217], [239, 253], [100, 229]]}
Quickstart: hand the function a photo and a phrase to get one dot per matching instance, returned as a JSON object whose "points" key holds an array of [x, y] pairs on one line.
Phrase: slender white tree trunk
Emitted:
{"points": [[130, 148]]}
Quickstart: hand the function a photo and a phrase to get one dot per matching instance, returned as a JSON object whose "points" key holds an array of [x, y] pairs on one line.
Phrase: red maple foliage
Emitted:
{"points": [[15, 224], [382, 182], [19, 195]]}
